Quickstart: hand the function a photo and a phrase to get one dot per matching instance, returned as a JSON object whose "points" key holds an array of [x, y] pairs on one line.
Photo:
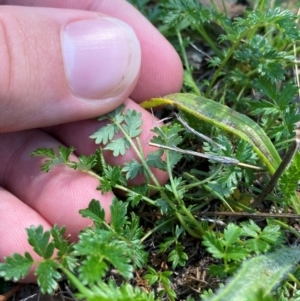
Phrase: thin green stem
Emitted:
{"points": [[183, 53], [120, 187], [168, 290], [197, 183], [181, 203], [262, 5], [208, 40], [287, 227], [153, 230], [188, 229], [186, 64], [294, 279], [222, 65], [134, 147], [207, 187], [82, 289], [194, 221], [170, 173]]}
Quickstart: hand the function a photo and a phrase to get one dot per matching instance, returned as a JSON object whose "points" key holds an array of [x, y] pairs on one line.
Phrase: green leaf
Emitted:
{"points": [[64, 248], [47, 276], [174, 158], [263, 107], [288, 182], [105, 185], [62, 158], [230, 175], [39, 240], [257, 246], [132, 169], [118, 215], [163, 206], [179, 231], [263, 85], [177, 256], [44, 152], [108, 291], [94, 211], [104, 246], [135, 195], [217, 271], [154, 160], [264, 272], [112, 175], [286, 95], [178, 185], [93, 269], [116, 115], [86, 163], [235, 253], [168, 241], [105, 133], [168, 136], [231, 234], [272, 234], [118, 146], [164, 277], [100, 161], [213, 245], [218, 189], [250, 229], [260, 295], [16, 267], [133, 233], [133, 122], [60, 243], [151, 278], [65, 152], [273, 70], [219, 116], [189, 10]]}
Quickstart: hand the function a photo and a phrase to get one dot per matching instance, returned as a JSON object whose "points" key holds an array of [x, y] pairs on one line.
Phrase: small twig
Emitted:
{"points": [[201, 51], [191, 130], [220, 159], [11, 292]]}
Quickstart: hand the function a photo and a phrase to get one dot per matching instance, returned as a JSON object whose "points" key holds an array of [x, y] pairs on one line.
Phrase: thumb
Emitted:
{"points": [[60, 65]]}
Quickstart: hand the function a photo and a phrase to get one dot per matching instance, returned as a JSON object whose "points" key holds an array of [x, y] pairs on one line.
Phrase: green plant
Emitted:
{"points": [[162, 277], [87, 262], [250, 68], [238, 243]]}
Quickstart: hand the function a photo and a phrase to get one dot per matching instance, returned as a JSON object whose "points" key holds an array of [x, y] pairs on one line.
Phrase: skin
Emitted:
{"points": [[38, 109]]}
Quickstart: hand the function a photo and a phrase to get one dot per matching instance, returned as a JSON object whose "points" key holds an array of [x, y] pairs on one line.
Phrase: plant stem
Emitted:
{"points": [[83, 290], [287, 227], [120, 187], [208, 40], [186, 64]]}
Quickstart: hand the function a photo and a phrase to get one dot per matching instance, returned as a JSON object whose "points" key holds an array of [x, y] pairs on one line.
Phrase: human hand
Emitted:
{"points": [[61, 66]]}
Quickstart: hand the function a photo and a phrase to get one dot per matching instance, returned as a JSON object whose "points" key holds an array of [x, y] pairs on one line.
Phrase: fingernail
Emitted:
{"points": [[101, 56]]}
